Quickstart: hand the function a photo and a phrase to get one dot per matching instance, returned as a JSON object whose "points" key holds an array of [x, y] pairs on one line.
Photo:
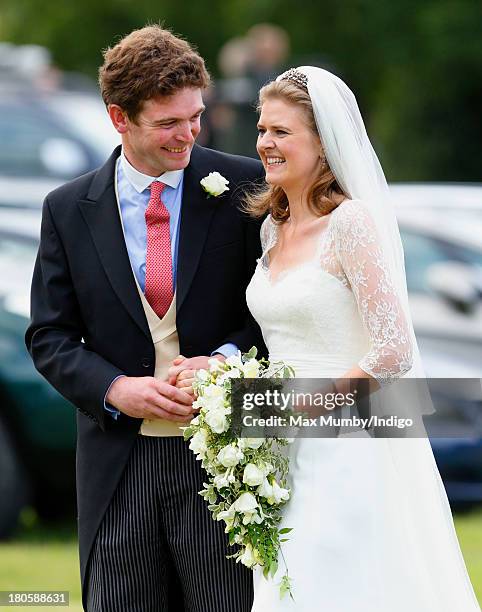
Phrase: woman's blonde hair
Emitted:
{"points": [[273, 198]]}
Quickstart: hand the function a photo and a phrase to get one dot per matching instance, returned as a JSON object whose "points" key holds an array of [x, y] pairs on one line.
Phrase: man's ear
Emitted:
{"points": [[119, 118]]}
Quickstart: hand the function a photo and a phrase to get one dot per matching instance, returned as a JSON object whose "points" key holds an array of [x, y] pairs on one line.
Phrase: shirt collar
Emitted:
{"points": [[142, 181]]}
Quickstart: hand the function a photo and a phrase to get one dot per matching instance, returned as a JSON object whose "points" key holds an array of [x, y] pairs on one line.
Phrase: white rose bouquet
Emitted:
{"points": [[247, 477]]}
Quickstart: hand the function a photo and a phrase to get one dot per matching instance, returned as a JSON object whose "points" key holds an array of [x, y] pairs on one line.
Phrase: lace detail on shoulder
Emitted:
{"points": [[268, 236], [326, 255], [358, 252], [268, 233]]}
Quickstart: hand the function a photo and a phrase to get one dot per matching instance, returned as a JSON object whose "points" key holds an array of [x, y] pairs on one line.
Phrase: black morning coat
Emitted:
{"points": [[87, 321]]}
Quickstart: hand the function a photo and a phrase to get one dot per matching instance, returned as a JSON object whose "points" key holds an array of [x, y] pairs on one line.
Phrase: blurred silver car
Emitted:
{"points": [[441, 229], [52, 135]]}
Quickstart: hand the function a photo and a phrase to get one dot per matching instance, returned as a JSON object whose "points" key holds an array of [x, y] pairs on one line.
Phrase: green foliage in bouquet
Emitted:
{"points": [[247, 477]]}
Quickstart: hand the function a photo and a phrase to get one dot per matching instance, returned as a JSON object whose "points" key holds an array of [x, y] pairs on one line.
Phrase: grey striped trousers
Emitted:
{"points": [[158, 549]]}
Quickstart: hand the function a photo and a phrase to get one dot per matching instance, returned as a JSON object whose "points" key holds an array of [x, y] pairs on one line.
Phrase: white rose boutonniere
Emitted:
{"points": [[215, 184]]}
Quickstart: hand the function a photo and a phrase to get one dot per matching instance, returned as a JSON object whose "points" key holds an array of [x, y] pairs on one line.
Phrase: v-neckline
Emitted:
{"points": [[310, 261]]}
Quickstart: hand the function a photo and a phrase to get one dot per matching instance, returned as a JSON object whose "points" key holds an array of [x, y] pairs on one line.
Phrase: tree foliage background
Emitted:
{"points": [[415, 66]]}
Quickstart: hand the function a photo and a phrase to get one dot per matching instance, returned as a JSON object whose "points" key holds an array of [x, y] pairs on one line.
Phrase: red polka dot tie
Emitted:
{"points": [[159, 289]]}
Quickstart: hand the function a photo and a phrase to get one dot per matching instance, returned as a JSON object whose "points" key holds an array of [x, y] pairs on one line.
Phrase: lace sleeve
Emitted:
{"points": [[359, 253], [267, 234]]}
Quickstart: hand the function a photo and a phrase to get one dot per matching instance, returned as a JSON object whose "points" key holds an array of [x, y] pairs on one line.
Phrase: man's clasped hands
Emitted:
{"points": [[146, 397]]}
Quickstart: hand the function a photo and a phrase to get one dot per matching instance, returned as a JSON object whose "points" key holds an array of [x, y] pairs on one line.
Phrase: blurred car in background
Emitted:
{"points": [[57, 135], [37, 426], [441, 229], [25, 192], [52, 124]]}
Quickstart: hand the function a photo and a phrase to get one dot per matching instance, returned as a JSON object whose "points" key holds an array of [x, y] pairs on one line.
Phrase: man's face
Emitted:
{"points": [[164, 132]]}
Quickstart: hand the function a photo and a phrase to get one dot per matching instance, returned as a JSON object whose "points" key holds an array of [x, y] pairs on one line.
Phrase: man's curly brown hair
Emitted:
{"points": [[148, 63]]}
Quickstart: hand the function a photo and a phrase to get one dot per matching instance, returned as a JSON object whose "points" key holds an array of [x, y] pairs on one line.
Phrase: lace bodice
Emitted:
{"points": [[337, 309]]}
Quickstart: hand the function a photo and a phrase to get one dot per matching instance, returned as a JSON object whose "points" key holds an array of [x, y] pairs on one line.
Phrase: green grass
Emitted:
{"points": [[45, 558], [42, 558], [469, 530]]}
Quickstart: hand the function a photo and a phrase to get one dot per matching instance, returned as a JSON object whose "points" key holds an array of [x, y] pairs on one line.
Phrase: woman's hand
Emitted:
{"points": [[185, 381], [183, 370]]}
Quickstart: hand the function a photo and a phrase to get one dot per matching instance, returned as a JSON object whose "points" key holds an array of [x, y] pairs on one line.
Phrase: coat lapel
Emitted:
{"points": [[196, 214], [101, 214]]}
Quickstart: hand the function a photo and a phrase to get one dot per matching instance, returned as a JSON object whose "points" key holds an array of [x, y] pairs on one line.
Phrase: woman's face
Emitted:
{"points": [[288, 148]]}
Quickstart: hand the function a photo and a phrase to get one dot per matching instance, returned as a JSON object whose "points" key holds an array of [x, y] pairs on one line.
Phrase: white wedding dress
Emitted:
{"points": [[372, 527]]}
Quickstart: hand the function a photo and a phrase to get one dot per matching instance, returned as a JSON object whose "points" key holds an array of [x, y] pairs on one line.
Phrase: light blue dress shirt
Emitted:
{"points": [[134, 193]]}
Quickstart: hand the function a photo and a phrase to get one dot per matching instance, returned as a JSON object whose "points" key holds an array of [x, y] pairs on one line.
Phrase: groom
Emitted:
{"points": [[138, 264]]}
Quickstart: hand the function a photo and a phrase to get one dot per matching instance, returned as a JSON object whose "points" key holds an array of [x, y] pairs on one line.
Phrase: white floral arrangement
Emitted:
{"points": [[214, 184], [247, 477]]}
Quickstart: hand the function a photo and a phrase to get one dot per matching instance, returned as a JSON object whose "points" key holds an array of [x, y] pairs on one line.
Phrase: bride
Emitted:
{"points": [[372, 527]]}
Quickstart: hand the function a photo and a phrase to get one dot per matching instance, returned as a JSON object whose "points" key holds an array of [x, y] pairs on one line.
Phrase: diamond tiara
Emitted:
{"points": [[297, 77]]}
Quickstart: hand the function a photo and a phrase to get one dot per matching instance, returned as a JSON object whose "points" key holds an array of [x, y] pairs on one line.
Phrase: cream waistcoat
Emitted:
{"points": [[166, 345]]}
